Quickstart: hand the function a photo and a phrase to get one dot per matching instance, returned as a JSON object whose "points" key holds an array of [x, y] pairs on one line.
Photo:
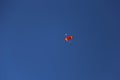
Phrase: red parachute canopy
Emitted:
{"points": [[68, 38]]}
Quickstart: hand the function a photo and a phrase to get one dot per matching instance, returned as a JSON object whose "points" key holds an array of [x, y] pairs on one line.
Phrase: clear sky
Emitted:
{"points": [[32, 43]]}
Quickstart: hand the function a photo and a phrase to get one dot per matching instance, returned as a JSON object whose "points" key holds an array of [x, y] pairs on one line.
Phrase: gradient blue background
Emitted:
{"points": [[32, 43]]}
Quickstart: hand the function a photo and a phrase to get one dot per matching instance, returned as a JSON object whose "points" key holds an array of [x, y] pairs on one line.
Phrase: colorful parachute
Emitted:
{"points": [[68, 38]]}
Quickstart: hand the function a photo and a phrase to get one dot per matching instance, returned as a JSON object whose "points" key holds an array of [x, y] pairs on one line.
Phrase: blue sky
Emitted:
{"points": [[32, 43]]}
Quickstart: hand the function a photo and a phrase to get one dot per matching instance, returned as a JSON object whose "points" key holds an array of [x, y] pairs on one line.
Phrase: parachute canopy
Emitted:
{"points": [[68, 38]]}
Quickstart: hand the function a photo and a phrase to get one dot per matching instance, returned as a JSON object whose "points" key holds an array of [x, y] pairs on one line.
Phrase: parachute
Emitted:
{"points": [[68, 38]]}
